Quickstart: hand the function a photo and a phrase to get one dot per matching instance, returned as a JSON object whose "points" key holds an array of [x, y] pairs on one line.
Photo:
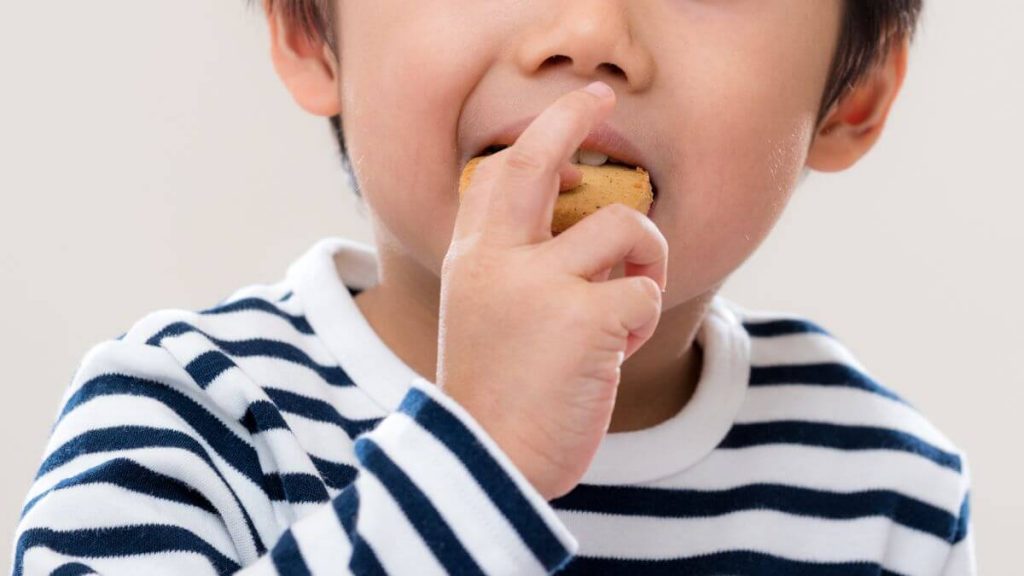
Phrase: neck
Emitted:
{"points": [[657, 381]]}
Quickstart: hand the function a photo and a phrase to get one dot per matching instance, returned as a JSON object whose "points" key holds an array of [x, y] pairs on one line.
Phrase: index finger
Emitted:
{"points": [[526, 183]]}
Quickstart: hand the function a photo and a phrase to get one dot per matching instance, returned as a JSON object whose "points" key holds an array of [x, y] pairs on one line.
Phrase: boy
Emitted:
{"points": [[478, 396]]}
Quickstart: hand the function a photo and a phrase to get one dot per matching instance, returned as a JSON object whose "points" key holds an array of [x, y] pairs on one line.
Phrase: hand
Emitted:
{"points": [[532, 333]]}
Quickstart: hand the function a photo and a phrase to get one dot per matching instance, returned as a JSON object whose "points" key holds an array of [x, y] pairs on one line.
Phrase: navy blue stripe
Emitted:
{"points": [[207, 366], [825, 374], [334, 474], [72, 569], [334, 375], [133, 437], [963, 519], [729, 562], [120, 541], [836, 436], [287, 558], [236, 451], [262, 416], [258, 304], [132, 476], [669, 503], [772, 328], [314, 409], [502, 490], [295, 487], [428, 522], [363, 560], [287, 296]]}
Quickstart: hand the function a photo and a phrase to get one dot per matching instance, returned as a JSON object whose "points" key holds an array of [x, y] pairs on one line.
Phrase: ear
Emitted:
{"points": [[306, 66], [855, 122]]}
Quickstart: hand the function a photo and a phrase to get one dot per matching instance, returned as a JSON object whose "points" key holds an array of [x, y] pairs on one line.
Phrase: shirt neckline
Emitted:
{"points": [[322, 277]]}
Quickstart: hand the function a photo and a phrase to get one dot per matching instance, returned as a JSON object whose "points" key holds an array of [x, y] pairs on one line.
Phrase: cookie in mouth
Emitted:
{"points": [[605, 183]]}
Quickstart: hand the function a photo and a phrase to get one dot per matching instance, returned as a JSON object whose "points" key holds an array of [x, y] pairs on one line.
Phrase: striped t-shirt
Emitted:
{"points": [[277, 434]]}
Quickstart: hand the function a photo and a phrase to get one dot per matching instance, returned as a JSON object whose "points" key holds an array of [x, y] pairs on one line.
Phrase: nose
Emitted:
{"points": [[593, 38]]}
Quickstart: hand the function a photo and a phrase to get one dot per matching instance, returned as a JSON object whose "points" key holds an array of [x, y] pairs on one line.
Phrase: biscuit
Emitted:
{"points": [[601, 186]]}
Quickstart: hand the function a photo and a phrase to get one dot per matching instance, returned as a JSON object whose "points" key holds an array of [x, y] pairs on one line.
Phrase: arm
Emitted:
{"points": [[961, 559], [143, 469]]}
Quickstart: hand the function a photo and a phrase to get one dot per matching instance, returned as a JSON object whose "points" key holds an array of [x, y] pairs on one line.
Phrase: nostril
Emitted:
{"points": [[614, 69], [557, 59]]}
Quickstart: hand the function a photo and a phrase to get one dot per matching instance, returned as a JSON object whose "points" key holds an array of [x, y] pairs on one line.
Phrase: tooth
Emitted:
{"points": [[591, 158]]}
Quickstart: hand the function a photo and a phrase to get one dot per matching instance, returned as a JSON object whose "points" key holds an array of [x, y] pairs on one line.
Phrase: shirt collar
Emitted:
{"points": [[333, 269]]}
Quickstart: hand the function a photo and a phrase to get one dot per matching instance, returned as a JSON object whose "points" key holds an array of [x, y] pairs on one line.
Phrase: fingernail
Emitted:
{"points": [[599, 89]]}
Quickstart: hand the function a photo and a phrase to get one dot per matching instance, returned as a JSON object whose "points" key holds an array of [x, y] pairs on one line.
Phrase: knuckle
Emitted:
{"points": [[577, 313], [622, 215], [521, 159], [647, 289]]}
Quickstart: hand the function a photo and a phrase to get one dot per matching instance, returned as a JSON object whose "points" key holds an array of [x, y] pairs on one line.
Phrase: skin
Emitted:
{"points": [[721, 98]]}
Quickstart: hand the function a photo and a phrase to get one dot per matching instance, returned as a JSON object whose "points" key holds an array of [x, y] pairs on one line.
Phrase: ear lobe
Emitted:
{"points": [[306, 66], [854, 124]]}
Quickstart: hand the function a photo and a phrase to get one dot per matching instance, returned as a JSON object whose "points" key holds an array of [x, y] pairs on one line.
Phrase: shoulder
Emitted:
{"points": [[807, 387], [797, 358], [257, 332], [257, 321]]}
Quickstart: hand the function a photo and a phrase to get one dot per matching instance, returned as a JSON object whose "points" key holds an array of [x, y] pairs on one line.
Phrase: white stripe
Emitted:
{"points": [[114, 410], [226, 327], [911, 553], [184, 466], [800, 348], [322, 541], [121, 357], [288, 512], [105, 505], [284, 454], [325, 441], [41, 560], [389, 533], [349, 401], [262, 567], [792, 537], [823, 469], [837, 405], [961, 560], [195, 472]]}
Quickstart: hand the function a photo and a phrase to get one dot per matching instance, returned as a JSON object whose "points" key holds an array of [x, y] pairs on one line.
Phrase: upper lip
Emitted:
{"points": [[603, 138]]}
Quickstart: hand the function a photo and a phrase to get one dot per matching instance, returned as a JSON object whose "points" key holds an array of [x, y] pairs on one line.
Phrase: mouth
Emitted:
{"points": [[588, 157], [603, 145]]}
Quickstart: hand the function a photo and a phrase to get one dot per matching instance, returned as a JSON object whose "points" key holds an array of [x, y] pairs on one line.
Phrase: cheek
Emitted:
{"points": [[401, 94], [741, 158], [741, 136]]}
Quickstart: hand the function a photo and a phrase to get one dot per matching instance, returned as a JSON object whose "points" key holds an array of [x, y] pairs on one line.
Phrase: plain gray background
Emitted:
{"points": [[150, 158]]}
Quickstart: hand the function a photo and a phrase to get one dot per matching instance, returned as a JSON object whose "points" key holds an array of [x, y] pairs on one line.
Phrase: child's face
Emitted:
{"points": [[719, 96]]}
